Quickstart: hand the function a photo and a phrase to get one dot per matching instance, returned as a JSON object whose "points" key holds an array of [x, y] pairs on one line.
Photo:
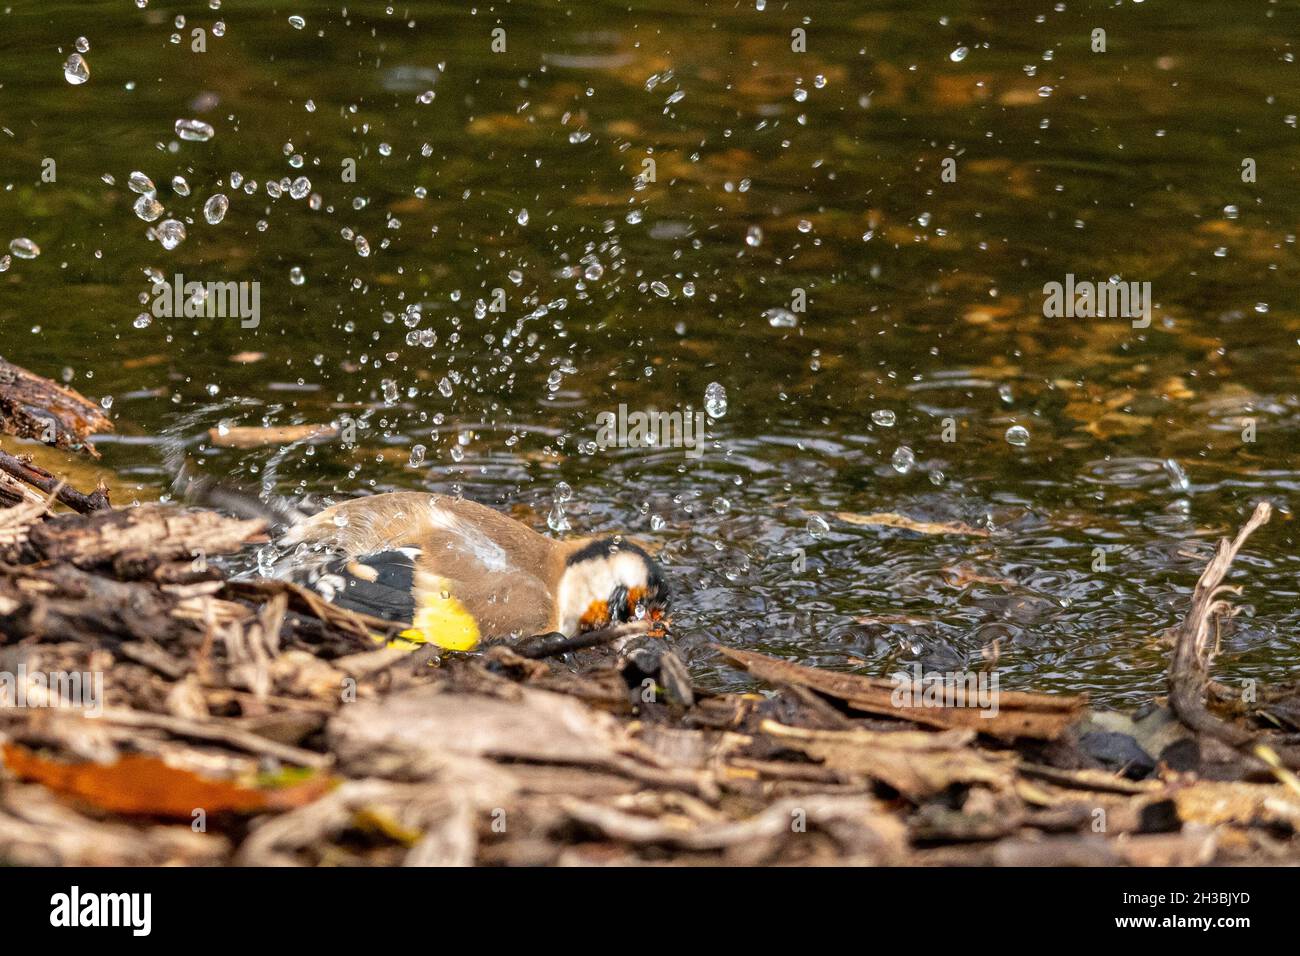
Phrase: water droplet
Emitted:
{"points": [[563, 492], [417, 456], [903, 459], [1018, 435], [958, 54], [780, 318], [180, 186], [82, 45], [148, 208], [214, 210], [138, 182], [24, 248], [557, 520], [297, 22], [171, 233], [884, 417], [1178, 479], [817, 526], [362, 245], [194, 131], [300, 188], [76, 70], [715, 400], [754, 237], [522, 218], [296, 276]]}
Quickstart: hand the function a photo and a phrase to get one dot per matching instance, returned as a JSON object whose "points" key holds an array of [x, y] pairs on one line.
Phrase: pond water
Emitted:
{"points": [[848, 229]]}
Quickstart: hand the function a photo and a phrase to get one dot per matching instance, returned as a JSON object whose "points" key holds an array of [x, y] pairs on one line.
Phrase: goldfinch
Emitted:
{"points": [[459, 573]]}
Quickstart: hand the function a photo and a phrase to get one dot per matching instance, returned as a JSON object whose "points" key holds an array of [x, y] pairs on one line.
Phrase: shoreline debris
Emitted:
{"points": [[246, 721]]}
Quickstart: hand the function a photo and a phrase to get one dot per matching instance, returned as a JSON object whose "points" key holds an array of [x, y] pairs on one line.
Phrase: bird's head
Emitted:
{"points": [[610, 581]]}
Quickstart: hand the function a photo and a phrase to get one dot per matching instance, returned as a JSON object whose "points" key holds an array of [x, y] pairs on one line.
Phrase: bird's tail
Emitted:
{"points": [[276, 511]]}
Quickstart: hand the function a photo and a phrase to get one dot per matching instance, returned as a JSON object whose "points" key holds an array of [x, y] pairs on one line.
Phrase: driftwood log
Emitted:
{"points": [[35, 407], [32, 406]]}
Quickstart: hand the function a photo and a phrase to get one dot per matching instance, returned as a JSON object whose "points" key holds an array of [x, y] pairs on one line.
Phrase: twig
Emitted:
{"points": [[38, 477], [232, 736], [1189, 671], [554, 644]]}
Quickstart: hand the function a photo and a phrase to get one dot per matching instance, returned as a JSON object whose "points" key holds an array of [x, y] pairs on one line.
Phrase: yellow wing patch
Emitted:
{"points": [[442, 620]]}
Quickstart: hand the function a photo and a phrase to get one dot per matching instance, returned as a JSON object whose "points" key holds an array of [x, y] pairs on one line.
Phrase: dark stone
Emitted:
{"points": [[1159, 817], [1182, 755], [1118, 752]]}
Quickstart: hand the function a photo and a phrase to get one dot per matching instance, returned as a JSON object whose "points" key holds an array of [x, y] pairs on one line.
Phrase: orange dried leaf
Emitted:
{"points": [[143, 785]]}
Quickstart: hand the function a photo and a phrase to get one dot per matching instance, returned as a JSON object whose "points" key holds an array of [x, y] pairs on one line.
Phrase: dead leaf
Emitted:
{"points": [[141, 784], [146, 786]]}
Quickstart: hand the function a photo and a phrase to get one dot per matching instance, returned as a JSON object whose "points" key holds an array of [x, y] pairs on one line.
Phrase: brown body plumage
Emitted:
{"points": [[464, 558]]}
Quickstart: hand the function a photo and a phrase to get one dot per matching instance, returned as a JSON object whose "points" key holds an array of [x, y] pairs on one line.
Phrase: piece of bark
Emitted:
{"points": [[217, 731], [412, 733], [1019, 714], [1091, 780], [14, 492], [17, 520], [862, 827], [917, 764], [39, 829], [61, 600], [146, 536], [32, 406], [432, 823], [255, 437]]}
